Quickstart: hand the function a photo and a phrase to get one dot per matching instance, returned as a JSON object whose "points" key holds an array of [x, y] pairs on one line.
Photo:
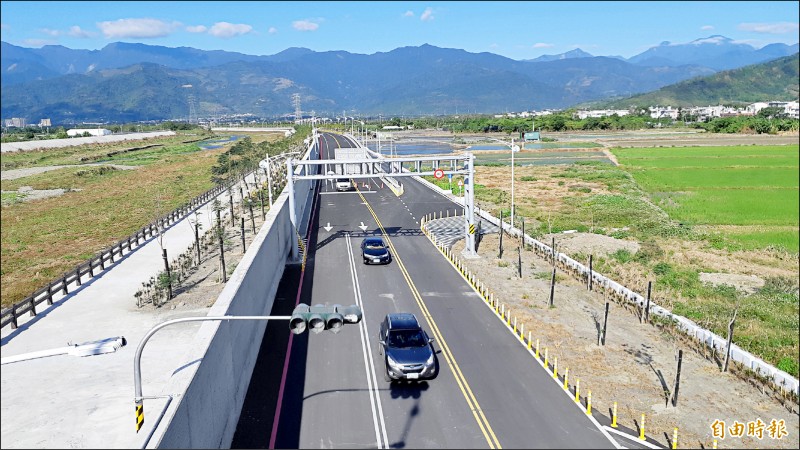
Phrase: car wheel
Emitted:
{"points": [[386, 376]]}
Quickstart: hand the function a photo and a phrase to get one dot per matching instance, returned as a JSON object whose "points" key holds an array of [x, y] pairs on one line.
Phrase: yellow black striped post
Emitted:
{"points": [[139, 415]]}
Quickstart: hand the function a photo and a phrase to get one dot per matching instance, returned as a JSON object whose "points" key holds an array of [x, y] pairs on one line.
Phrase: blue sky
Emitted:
{"points": [[517, 30]]}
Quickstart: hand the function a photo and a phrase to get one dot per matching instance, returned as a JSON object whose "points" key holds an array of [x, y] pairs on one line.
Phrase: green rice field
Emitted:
{"points": [[725, 186]]}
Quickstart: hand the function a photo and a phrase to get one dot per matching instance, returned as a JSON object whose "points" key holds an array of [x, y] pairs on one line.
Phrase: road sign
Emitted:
{"points": [[438, 173], [460, 183]]}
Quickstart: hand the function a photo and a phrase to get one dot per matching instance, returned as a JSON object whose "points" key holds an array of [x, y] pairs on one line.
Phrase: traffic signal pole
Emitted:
{"points": [[316, 318]]}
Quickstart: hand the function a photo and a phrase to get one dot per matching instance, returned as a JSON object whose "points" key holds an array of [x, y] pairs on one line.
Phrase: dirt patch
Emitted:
{"points": [[28, 171], [637, 366], [590, 244], [744, 283]]}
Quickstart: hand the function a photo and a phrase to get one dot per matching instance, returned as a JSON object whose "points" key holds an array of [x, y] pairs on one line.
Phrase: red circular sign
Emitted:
{"points": [[438, 173]]}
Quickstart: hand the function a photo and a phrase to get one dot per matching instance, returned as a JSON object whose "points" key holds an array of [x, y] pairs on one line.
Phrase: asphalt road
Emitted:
{"points": [[330, 391]]}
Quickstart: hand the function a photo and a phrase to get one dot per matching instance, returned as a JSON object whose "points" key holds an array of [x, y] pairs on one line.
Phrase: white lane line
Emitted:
{"points": [[366, 348]]}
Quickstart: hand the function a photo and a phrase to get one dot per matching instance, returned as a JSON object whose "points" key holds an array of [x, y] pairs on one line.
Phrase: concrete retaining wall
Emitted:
{"points": [[208, 393]]}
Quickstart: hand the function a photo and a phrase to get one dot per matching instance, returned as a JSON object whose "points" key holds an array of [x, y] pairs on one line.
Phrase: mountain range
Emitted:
{"points": [[132, 82]]}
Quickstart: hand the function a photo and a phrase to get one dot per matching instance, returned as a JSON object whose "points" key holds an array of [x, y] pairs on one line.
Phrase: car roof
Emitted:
{"points": [[374, 239], [402, 321]]}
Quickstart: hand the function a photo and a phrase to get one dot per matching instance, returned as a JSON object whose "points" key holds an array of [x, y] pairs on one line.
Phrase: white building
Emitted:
{"points": [[659, 112], [601, 113], [91, 131]]}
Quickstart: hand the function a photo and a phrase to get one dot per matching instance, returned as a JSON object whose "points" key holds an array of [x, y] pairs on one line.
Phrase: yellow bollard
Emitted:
{"points": [[715, 444], [589, 402], [508, 318], [530, 343], [537, 348], [641, 430], [675, 438], [555, 367], [515, 324], [577, 390], [545, 357], [614, 417], [522, 332], [566, 377]]}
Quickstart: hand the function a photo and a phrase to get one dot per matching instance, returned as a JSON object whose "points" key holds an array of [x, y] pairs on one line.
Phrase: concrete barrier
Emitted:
{"points": [[208, 395]]}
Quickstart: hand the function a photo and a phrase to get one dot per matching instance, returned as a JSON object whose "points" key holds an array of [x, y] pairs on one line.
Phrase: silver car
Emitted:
{"points": [[407, 349]]}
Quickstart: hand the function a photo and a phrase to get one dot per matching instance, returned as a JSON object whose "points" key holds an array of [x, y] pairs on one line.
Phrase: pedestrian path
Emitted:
{"points": [[60, 400]]}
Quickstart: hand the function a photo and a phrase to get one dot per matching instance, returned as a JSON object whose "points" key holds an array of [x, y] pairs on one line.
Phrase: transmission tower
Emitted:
{"points": [[298, 113], [192, 110]]}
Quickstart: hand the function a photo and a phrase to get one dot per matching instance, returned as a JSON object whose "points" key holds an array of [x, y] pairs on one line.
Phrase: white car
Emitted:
{"points": [[343, 184]]}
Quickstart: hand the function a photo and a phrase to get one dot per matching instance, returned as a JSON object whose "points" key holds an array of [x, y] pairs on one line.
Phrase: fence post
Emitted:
{"points": [[552, 286], [243, 245], [169, 275], [261, 198], [500, 255], [605, 325], [230, 197], [590, 273], [677, 380], [519, 261], [730, 339], [646, 312], [64, 285]]}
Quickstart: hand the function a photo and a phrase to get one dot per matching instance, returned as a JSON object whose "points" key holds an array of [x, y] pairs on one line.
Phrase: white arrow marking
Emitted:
{"points": [[328, 227], [363, 227]]}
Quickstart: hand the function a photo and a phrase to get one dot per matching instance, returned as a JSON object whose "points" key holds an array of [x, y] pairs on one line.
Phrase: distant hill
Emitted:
{"points": [[773, 80], [577, 53], [716, 52], [129, 82]]}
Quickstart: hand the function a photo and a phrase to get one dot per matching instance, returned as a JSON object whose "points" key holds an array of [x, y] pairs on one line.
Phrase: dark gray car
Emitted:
{"points": [[407, 349], [375, 251]]}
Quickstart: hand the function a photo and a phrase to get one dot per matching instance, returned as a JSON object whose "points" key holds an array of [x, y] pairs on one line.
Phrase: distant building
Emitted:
{"points": [[16, 122], [601, 113], [45, 123], [91, 131]]}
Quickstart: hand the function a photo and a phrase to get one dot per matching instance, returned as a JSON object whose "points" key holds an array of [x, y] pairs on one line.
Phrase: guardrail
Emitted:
{"points": [[104, 258]]}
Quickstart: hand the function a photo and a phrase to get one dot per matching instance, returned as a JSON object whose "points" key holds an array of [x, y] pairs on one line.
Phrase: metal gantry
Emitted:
{"points": [[380, 166]]}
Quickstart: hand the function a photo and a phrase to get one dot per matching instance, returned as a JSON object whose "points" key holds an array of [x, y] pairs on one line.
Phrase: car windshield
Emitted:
{"points": [[374, 245], [407, 338]]}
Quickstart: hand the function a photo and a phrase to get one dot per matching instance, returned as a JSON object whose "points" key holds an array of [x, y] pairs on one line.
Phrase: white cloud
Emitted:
{"points": [[76, 31], [227, 30], [305, 25], [707, 27], [136, 28], [49, 32], [408, 13], [542, 45], [770, 28], [272, 30], [426, 15], [196, 28]]}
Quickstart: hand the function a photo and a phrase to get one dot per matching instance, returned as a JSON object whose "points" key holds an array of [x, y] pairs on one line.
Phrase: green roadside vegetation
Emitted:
{"points": [[44, 238], [737, 202]]}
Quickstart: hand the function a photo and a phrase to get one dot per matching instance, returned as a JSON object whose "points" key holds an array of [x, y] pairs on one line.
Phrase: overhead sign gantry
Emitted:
{"points": [[377, 165]]}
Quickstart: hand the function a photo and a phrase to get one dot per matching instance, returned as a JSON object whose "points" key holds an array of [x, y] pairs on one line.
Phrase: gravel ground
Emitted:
{"points": [[637, 365]]}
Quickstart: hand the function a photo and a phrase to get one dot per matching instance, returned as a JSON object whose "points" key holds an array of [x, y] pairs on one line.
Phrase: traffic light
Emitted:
{"points": [[321, 317]]}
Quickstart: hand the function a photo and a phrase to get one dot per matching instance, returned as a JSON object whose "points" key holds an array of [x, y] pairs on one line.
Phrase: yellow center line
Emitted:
{"points": [[472, 402]]}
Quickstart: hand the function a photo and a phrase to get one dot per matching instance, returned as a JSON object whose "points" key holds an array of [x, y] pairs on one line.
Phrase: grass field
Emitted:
{"points": [[722, 186], [692, 210]]}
